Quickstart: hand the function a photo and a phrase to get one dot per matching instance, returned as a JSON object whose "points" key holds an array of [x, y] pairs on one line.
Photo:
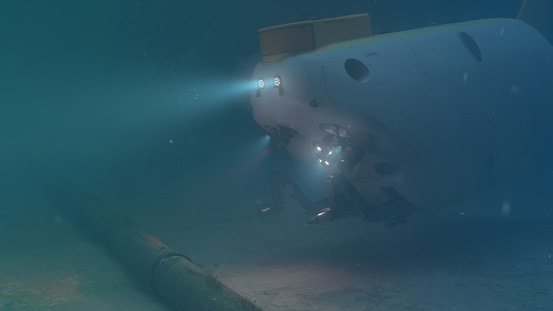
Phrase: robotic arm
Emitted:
{"points": [[343, 201]]}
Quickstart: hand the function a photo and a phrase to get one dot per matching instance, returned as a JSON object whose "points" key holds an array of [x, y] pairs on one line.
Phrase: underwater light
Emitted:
{"points": [[276, 81], [261, 83], [260, 86]]}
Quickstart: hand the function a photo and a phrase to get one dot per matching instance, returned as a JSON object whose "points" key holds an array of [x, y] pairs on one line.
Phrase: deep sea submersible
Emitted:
{"points": [[399, 121]]}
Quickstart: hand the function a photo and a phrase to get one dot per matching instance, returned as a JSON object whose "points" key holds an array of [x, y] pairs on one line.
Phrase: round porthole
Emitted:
{"points": [[357, 70], [471, 46]]}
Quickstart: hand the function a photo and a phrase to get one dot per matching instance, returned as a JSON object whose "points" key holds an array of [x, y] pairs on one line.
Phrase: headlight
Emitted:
{"points": [[277, 84], [276, 81]]}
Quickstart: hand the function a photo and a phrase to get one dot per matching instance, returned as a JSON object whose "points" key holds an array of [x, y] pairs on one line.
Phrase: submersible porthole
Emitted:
{"points": [[471, 46], [357, 70]]}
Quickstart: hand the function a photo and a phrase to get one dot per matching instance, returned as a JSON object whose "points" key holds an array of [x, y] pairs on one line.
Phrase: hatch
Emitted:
{"points": [[279, 42]]}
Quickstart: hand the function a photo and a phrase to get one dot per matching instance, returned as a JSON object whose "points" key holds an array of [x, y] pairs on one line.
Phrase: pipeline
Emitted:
{"points": [[171, 274]]}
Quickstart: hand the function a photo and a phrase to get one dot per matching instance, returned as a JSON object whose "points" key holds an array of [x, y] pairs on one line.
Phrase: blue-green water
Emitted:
{"points": [[144, 104], [88, 87]]}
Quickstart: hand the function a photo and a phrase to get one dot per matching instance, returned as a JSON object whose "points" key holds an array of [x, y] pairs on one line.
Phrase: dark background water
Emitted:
{"points": [[98, 90], [140, 97], [145, 103]]}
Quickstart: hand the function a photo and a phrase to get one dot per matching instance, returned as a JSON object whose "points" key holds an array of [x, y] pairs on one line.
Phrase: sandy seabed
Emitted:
{"points": [[464, 258]]}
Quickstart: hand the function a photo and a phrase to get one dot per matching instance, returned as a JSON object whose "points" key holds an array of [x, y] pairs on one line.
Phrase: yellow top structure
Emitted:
{"points": [[279, 42]]}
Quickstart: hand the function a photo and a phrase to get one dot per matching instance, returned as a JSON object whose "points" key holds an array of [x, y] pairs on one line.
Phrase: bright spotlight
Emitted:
{"points": [[261, 83], [276, 81]]}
